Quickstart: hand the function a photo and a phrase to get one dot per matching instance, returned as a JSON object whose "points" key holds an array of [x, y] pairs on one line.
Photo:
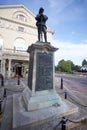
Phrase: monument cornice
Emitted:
{"points": [[42, 46]]}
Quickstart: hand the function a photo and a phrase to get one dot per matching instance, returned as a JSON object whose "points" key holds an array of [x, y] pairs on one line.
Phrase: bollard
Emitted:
{"points": [[0, 107], [2, 82], [18, 80], [65, 95], [61, 83], [4, 95], [63, 125]]}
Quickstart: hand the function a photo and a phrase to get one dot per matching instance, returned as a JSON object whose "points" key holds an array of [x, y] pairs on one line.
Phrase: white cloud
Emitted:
{"points": [[65, 11], [59, 5], [70, 51]]}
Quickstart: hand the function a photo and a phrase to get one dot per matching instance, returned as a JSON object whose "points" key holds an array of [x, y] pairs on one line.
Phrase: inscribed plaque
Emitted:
{"points": [[44, 71]]}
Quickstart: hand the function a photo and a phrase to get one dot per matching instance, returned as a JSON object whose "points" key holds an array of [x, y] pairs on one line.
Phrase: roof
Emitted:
{"points": [[15, 6]]}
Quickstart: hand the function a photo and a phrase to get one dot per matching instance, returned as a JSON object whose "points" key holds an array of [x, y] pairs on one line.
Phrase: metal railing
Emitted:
{"points": [[64, 121]]}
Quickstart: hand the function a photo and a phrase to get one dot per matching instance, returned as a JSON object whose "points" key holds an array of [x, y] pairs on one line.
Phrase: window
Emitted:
{"points": [[20, 45], [21, 17], [1, 43], [21, 29]]}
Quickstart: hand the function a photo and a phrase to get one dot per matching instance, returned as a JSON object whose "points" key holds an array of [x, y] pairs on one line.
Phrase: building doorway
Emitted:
{"points": [[19, 71], [19, 68]]}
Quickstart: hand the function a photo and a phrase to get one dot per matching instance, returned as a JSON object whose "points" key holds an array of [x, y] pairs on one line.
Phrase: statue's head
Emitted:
{"points": [[41, 10]]}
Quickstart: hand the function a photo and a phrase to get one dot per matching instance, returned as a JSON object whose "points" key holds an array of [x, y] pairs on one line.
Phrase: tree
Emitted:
{"points": [[72, 65], [65, 66], [68, 66], [84, 62], [76, 68], [60, 66]]}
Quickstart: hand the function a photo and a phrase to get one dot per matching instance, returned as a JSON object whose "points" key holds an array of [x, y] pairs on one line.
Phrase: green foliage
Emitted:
{"points": [[84, 62], [66, 66], [76, 68]]}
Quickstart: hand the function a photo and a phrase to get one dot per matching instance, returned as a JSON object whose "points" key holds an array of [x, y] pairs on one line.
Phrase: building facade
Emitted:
{"points": [[17, 31]]}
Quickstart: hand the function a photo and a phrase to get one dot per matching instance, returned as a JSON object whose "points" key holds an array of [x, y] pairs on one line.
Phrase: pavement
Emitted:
{"points": [[13, 87]]}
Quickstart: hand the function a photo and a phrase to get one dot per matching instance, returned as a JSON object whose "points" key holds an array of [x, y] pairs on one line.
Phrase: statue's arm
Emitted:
{"points": [[37, 17], [46, 18]]}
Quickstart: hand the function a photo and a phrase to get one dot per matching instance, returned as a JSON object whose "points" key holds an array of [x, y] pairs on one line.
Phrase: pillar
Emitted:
{"points": [[3, 67], [9, 68]]}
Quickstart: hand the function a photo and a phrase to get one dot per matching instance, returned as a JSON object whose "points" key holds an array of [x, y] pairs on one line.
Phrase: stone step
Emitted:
{"points": [[24, 119]]}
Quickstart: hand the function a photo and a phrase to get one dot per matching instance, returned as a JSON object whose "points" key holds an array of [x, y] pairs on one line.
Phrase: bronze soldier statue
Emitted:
{"points": [[41, 24]]}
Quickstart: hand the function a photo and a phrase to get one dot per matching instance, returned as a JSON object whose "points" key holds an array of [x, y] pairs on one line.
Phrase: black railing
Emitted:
{"points": [[63, 123]]}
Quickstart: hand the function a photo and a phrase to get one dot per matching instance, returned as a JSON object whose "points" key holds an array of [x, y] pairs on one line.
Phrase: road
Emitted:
{"points": [[76, 85], [75, 82], [76, 88]]}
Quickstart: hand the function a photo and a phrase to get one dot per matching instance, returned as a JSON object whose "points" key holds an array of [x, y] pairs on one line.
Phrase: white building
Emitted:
{"points": [[84, 68], [17, 31]]}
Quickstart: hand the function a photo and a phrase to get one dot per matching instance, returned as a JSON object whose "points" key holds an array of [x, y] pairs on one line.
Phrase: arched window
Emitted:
{"points": [[20, 45], [1, 43], [21, 17]]}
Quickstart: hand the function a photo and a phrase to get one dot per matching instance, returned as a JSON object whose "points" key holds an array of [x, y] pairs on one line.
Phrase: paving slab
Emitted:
{"points": [[7, 116]]}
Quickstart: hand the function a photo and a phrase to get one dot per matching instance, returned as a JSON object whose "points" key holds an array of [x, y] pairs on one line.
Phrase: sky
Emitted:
{"points": [[68, 21]]}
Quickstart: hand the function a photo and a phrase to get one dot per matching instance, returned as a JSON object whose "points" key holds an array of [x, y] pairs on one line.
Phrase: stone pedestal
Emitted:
{"points": [[41, 67], [41, 77]]}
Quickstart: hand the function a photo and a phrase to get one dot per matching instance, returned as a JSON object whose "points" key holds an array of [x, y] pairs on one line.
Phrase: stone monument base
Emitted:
{"points": [[23, 119], [41, 99]]}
